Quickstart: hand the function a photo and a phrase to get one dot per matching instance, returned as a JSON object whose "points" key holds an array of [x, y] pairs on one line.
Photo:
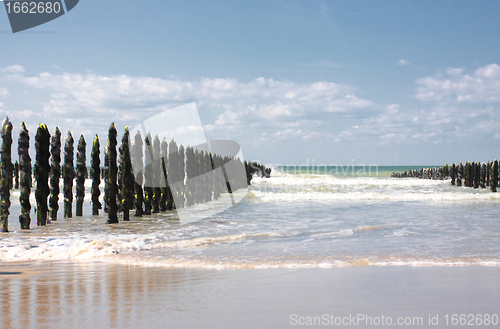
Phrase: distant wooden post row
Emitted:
{"points": [[472, 174]]}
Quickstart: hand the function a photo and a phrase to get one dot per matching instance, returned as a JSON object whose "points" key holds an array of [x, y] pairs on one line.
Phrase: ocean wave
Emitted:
{"points": [[376, 196]]}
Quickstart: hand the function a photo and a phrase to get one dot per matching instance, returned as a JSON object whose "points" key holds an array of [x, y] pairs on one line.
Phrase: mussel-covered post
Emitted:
{"points": [[482, 182], [111, 178], [23, 146], [126, 176], [137, 161], [460, 174], [494, 176], [157, 175], [182, 173], [68, 175], [165, 191], [148, 175], [6, 174], [81, 174], [42, 169], [95, 173], [55, 172], [453, 173]]}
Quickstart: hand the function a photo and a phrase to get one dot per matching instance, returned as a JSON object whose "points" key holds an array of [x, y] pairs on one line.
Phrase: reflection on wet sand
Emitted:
{"points": [[73, 295], [100, 295]]}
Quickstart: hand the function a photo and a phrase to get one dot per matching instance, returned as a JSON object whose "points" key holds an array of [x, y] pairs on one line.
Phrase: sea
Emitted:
{"points": [[307, 217]]}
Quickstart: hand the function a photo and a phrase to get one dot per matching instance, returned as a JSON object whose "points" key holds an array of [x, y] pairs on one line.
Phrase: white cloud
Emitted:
{"points": [[4, 91], [483, 85], [13, 69], [403, 62], [229, 105]]}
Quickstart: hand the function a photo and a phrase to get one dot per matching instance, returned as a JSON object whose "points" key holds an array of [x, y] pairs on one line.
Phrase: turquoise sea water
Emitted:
{"points": [[295, 218]]}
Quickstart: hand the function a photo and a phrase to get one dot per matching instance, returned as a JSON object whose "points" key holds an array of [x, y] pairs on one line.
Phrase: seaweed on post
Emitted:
{"points": [[6, 174], [81, 174], [23, 146], [157, 175], [494, 176], [111, 178], [55, 172], [95, 173], [165, 191], [137, 162], [105, 171], [68, 175], [148, 176], [126, 177], [42, 169]]}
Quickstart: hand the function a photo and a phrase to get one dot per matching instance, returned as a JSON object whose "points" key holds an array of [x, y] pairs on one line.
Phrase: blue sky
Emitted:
{"points": [[364, 82]]}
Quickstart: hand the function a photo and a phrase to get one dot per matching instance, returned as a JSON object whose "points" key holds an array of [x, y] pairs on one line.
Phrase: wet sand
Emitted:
{"points": [[101, 295]]}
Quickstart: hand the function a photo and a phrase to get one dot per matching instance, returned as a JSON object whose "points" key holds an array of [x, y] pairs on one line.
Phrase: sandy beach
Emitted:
{"points": [[100, 295]]}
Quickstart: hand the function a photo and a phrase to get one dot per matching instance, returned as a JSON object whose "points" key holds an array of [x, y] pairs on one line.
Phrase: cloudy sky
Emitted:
{"points": [[329, 82]]}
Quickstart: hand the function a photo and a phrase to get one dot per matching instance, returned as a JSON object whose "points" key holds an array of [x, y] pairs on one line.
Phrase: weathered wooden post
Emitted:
{"points": [[460, 174], [23, 146], [95, 173], [55, 173], [68, 175], [111, 178], [148, 176], [42, 169], [482, 181], [190, 174], [453, 173], [81, 174], [182, 173], [208, 178], [494, 177], [157, 175], [127, 177], [105, 171], [166, 195], [5, 174], [488, 173], [138, 167], [477, 174], [172, 171]]}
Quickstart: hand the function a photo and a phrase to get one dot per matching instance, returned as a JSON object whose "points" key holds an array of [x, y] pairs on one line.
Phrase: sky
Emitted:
{"points": [[293, 82]]}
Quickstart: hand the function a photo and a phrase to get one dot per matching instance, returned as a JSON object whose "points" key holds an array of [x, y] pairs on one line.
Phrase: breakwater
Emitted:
{"points": [[145, 174], [470, 174]]}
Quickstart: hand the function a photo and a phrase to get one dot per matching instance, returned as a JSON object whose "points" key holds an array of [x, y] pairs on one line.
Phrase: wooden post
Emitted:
{"points": [[157, 176], [81, 174], [494, 176], [23, 146], [42, 169], [148, 175], [55, 173], [460, 173], [126, 177], [482, 181], [95, 172], [111, 178], [453, 173], [138, 172], [68, 175], [5, 174]]}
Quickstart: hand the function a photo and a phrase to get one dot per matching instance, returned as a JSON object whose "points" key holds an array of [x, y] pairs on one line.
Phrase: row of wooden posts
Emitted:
{"points": [[127, 185], [472, 174]]}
